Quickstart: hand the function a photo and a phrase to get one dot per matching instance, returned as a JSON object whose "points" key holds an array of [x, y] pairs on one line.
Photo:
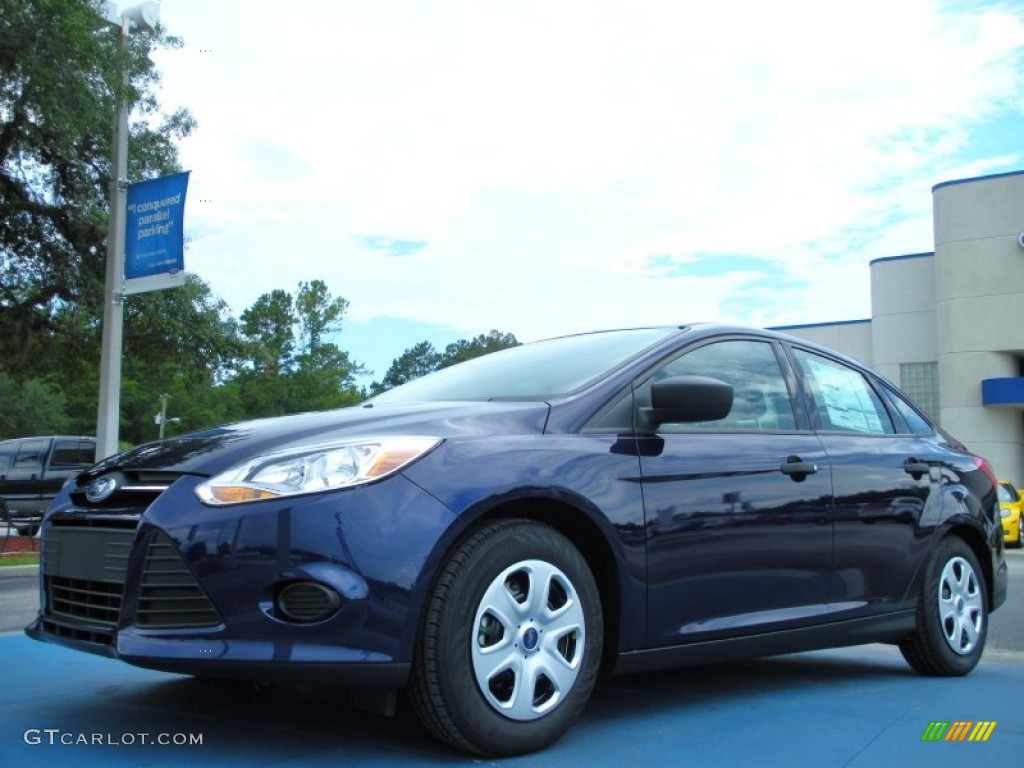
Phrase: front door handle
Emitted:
{"points": [[798, 469]]}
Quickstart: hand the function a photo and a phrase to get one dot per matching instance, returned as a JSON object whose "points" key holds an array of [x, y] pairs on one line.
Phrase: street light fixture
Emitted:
{"points": [[161, 418], [138, 18]]}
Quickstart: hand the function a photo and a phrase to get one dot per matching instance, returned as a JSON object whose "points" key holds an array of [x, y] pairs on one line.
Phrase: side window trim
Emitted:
{"points": [[797, 399]]}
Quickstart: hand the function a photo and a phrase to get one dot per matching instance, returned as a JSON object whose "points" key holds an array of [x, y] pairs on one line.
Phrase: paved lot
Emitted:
{"points": [[856, 707], [860, 707]]}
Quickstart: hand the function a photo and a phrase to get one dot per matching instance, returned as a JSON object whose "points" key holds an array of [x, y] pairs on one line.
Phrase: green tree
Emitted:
{"points": [[318, 314], [418, 360], [422, 358], [268, 328], [181, 342], [61, 75], [325, 376], [31, 407], [292, 366], [484, 344]]}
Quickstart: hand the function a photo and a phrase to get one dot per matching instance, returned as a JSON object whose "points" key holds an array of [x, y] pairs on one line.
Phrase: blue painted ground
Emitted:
{"points": [[851, 708]]}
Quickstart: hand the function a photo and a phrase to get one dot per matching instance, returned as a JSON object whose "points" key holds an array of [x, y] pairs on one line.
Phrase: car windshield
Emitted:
{"points": [[1006, 493], [538, 371]]}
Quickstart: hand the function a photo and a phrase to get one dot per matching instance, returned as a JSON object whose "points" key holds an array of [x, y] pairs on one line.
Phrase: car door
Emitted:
{"points": [[739, 541], [884, 483], [22, 478]]}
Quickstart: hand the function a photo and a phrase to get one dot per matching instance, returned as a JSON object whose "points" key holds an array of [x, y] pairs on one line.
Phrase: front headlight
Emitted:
{"points": [[309, 469], [1004, 512]]}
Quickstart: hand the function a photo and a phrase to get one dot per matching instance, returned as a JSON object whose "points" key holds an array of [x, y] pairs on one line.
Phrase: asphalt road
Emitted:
{"points": [[19, 597]]}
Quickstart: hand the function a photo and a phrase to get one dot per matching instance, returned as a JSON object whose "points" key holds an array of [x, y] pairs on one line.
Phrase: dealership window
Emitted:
{"points": [[920, 381]]}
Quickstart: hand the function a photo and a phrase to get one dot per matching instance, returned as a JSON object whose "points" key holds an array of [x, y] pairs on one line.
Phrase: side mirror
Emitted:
{"points": [[689, 399]]}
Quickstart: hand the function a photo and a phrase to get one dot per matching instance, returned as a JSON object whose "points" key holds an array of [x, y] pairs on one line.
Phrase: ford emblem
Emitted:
{"points": [[100, 489]]}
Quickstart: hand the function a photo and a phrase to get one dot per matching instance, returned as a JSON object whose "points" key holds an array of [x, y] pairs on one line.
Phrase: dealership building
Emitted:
{"points": [[948, 326]]}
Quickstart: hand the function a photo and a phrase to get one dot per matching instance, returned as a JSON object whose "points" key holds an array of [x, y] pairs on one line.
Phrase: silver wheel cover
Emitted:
{"points": [[528, 640], [961, 606]]}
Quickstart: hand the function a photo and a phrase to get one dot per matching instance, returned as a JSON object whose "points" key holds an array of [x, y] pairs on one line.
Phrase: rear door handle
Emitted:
{"points": [[916, 468]]}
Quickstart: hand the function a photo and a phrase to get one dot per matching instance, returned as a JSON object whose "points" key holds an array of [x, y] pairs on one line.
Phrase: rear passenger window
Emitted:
{"points": [[73, 453], [843, 399], [916, 423]]}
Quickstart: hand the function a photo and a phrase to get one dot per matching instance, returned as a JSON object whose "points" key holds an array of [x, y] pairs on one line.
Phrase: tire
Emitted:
{"points": [[952, 613], [1020, 531], [510, 645]]}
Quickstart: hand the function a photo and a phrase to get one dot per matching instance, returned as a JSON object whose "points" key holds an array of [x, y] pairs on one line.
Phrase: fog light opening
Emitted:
{"points": [[306, 602]]}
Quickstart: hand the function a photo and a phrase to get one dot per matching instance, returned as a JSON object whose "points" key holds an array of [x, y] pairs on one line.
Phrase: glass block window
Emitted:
{"points": [[921, 382]]}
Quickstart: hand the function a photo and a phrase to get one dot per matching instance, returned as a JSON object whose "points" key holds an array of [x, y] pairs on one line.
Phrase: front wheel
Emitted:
{"points": [[952, 614], [510, 646]]}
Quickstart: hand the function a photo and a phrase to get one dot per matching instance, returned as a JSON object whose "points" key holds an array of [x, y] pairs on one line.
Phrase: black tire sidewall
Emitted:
{"points": [[479, 723]]}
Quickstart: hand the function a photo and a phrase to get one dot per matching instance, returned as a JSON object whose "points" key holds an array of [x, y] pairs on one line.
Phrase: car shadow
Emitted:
{"points": [[261, 724], [690, 689]]}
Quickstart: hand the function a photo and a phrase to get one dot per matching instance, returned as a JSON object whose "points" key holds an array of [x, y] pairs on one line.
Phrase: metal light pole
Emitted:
{"points": [[141, 17]]}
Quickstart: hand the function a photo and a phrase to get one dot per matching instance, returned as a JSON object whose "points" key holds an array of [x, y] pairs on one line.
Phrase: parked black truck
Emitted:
{"points": [[32, 471]]}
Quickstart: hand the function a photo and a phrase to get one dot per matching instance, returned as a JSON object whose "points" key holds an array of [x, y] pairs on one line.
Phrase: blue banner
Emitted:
{"points": [[154, 227]]}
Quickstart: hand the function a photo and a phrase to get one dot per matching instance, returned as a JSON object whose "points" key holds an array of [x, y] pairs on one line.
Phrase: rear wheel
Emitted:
{"points": [[952, 613], [509, 650]]}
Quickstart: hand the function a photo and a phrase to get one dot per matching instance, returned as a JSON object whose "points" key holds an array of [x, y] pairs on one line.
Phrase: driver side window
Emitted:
{"points": [[760, 396]]}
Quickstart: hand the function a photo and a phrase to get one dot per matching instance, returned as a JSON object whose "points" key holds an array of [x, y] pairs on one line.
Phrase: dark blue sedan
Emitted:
{"points": [[493, 536]]}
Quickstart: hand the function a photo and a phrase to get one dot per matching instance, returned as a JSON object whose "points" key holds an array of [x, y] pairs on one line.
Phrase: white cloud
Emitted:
{"points": [[545, 151]]}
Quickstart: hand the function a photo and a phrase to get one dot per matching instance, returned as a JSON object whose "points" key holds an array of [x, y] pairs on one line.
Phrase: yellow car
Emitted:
{"points": [[1011, 507]]}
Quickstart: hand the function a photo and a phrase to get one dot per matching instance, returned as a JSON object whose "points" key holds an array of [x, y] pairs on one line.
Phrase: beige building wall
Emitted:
{"points": [[979, 304], [902, 312]]}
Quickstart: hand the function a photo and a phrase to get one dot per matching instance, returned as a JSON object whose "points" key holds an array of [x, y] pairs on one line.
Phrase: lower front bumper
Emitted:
{"points": [[278, 662]]}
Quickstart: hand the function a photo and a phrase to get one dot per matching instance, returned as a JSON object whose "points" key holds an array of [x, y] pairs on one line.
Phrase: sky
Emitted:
{"points": [[549, 167]]}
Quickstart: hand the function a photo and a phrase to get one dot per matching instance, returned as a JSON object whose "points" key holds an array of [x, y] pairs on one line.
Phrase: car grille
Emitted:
{"points": [[136, 491], [169, 596], [84, 571]]}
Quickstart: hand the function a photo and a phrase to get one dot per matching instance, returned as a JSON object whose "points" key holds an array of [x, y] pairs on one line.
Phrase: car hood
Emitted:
{"points": [[213, 450]]}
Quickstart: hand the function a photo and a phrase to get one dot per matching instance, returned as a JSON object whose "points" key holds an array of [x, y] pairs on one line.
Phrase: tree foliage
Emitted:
{"points": [[62, 73], [484, 344], [268, 327], [32, 406], [422, 358], [416, 361], [290, 364]]}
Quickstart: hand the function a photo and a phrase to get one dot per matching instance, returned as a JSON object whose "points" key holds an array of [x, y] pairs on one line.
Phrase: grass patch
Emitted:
{"points": [[19, 558]]}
